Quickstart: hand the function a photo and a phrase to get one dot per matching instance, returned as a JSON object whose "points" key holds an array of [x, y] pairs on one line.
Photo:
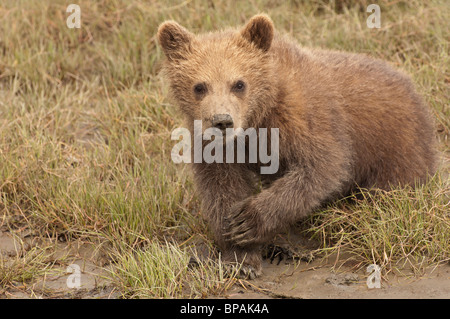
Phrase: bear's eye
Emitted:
{"points": [[200, 89], [239, 86]]}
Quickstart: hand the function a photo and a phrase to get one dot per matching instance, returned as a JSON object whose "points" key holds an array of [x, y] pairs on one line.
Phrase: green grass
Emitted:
{"points": [[163, 271], [403, 227], [85, 135]]}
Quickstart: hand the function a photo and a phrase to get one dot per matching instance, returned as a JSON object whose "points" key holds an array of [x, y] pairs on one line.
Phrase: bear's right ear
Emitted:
{"points": [[174, 40], [259, 31]]}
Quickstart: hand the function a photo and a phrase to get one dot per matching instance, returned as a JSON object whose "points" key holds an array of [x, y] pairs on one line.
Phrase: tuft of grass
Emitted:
{"points": [[390, 228], [25, 267], [163, 271]]}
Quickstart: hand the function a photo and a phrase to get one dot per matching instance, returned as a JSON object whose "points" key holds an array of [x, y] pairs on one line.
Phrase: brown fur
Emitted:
{"points": [[345, 120]]}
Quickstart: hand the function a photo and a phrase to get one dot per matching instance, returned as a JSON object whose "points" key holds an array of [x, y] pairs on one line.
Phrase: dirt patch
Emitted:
{"points": [[76, 269], [317, 279]]}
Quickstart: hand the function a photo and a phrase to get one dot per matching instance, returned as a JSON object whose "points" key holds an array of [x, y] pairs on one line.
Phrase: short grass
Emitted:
{"points": [[85, 135]]}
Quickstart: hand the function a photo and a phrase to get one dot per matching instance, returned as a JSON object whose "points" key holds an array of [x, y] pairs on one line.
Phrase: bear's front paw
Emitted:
{"points": [[243, 226], [242, 271]]}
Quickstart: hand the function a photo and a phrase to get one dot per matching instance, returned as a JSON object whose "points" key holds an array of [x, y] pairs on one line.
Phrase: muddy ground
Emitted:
{"points": [[70, 259], [319, 278]]}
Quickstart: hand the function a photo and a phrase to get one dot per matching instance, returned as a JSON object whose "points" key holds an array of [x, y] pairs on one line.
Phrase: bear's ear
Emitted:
{"points": [[174, 40], [259, 31]]}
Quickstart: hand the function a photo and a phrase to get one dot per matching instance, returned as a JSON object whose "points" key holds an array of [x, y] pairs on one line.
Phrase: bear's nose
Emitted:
{"points": [[222, 121]]}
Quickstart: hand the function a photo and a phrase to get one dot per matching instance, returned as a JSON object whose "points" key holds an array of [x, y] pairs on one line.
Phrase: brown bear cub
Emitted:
{"points": [[345, 121]]}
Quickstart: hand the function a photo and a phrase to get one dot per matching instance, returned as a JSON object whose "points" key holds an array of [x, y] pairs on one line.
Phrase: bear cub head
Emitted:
{"points": [[225, 78]]}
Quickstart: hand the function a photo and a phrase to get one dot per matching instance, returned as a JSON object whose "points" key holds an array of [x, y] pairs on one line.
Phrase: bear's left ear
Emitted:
{"points": [[259, 31], [174, 40]]}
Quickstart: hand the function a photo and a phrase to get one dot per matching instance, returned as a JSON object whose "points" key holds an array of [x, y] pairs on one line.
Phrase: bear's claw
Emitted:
{"points": [[246, 272], [240, 225]]}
